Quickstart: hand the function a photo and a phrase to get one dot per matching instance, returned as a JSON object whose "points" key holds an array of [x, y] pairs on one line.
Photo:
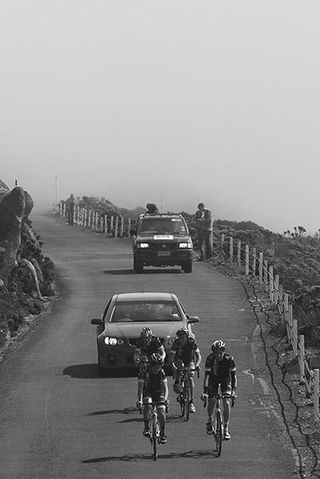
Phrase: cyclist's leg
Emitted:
{"points": [[147, 400], [177, 376], [191, 382], [212, 393], [161, 410], [226, 399]]}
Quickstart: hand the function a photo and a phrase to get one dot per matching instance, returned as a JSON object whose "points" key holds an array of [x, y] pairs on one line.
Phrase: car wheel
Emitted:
{"points": [[137, 265], [187, 267]]}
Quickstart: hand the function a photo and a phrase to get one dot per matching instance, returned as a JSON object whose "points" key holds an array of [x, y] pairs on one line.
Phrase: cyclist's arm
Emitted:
{"points": [[172, 355], [206, 380], [233, 380], [165, 389], [197, 357], [162, 352], [140, 389], [136, 354]]}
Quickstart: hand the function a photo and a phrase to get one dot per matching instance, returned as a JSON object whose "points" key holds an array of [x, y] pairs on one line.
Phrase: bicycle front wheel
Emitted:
{"points": [[154, 441], [218, 432]]}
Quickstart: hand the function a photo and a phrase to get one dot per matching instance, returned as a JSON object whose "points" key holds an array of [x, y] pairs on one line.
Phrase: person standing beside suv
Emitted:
{"points": [[203, 219]]}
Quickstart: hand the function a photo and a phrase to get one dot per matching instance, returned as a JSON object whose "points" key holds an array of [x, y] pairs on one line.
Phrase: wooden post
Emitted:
{"points": [[261, 268], [290, 323], [231, 249], [295, 336], [276, 289], [316, 391], [247, 265], [239, 252], [265, 275], [222, 241], [105, 224], [286, 313], [121, 226], [301, 358], [116, 228], [111, 223], [254, 262], [129, 227], [271, 284]]}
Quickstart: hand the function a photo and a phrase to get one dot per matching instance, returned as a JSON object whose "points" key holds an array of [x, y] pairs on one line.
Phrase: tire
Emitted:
{"points": [[137, 265], [187, 401], [187, 267], [218, 434], [154, 441]]}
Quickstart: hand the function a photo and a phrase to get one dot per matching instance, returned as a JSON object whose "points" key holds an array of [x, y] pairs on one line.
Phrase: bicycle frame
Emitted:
{"points": [[155, 428], [185, 394]]}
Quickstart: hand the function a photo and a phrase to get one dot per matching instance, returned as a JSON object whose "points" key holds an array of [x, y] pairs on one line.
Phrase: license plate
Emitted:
{"points": [[164, 253]]}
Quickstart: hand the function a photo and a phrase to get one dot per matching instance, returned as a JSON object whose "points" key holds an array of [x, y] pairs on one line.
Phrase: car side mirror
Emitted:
{"points": [[193, 319], [96, 321]]}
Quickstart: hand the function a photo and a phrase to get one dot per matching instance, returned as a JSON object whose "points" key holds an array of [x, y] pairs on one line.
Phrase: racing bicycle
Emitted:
{"points": [[184, 396], [217, 419], [155, 427]]}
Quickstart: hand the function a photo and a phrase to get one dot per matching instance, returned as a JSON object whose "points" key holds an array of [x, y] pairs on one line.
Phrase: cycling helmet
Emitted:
{"points": [[146, 332], [157, 359], [218, 344], [182, 332]]}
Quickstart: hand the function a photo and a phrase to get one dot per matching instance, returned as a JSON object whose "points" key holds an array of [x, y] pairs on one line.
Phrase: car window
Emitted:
{"points": [[162, 226], [144, 311]]}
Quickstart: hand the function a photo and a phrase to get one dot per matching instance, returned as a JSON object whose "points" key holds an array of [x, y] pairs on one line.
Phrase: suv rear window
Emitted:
{"points": [[162, 226]]}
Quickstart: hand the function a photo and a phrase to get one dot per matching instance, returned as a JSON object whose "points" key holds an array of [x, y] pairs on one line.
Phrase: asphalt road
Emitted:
{"points": [[60, 420]]}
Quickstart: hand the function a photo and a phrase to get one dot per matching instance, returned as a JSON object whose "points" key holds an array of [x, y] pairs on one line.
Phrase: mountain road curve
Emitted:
{"points": [[60, 420]]}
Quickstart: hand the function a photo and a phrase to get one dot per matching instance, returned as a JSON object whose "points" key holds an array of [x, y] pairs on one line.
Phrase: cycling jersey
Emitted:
{"points": [[152, 347], [220, 371], [184, 352], [221, 368]]}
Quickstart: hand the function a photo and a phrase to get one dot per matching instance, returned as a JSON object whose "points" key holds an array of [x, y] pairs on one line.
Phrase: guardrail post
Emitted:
{"points": [[271, 284], [261, 267], [231, 249], [247, 265], [222, 240], [121, 226], [111, 223], [254, 262], [265, 276], [129, 227], [116, 232], [239, 252], [276, 289], [301, 358], [295, 336], [291, 323], [316, 393], [286, 311]]}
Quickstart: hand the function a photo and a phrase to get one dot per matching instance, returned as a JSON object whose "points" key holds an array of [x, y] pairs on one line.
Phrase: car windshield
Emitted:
{"points": [[144, 311], [162, 226]]}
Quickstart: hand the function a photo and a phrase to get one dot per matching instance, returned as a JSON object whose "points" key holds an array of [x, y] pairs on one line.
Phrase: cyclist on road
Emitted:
{"points": [[147, 345], [185, 353], [220, 369], [153, 387]]}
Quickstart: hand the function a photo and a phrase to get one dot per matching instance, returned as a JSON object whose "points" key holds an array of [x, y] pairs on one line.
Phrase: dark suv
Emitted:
{"points": [[162, 240]]}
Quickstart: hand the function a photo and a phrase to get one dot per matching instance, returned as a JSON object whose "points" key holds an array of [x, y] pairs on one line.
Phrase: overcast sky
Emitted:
{"points": [[171, 102]]}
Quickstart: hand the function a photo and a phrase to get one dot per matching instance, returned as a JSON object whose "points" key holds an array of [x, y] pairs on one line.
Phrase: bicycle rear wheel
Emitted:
{"points": [[187, 401], [218, 432]]}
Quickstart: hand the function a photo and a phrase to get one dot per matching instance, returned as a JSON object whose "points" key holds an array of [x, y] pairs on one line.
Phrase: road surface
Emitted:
{"points": [[60, 420]]}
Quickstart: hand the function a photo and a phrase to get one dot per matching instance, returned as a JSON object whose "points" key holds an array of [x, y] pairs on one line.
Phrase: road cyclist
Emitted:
{"points": [[147, 345], [153, 390], [185, 354], [220, 371]]}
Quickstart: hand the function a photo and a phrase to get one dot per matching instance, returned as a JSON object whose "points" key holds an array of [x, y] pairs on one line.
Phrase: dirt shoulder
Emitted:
{"points": [[295, 405]]}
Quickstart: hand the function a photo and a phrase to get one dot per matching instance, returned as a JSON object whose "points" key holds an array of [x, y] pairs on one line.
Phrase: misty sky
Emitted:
{"points": [[171, 102]]}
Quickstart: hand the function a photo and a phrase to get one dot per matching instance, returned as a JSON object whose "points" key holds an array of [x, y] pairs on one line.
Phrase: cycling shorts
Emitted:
{"points": [[213, 386], [180, 364], [157, 398]]}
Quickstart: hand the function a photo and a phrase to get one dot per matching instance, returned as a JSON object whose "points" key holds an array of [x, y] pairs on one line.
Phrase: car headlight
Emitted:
{"points": [[185, 245], [109, 341], [142, 245]]}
